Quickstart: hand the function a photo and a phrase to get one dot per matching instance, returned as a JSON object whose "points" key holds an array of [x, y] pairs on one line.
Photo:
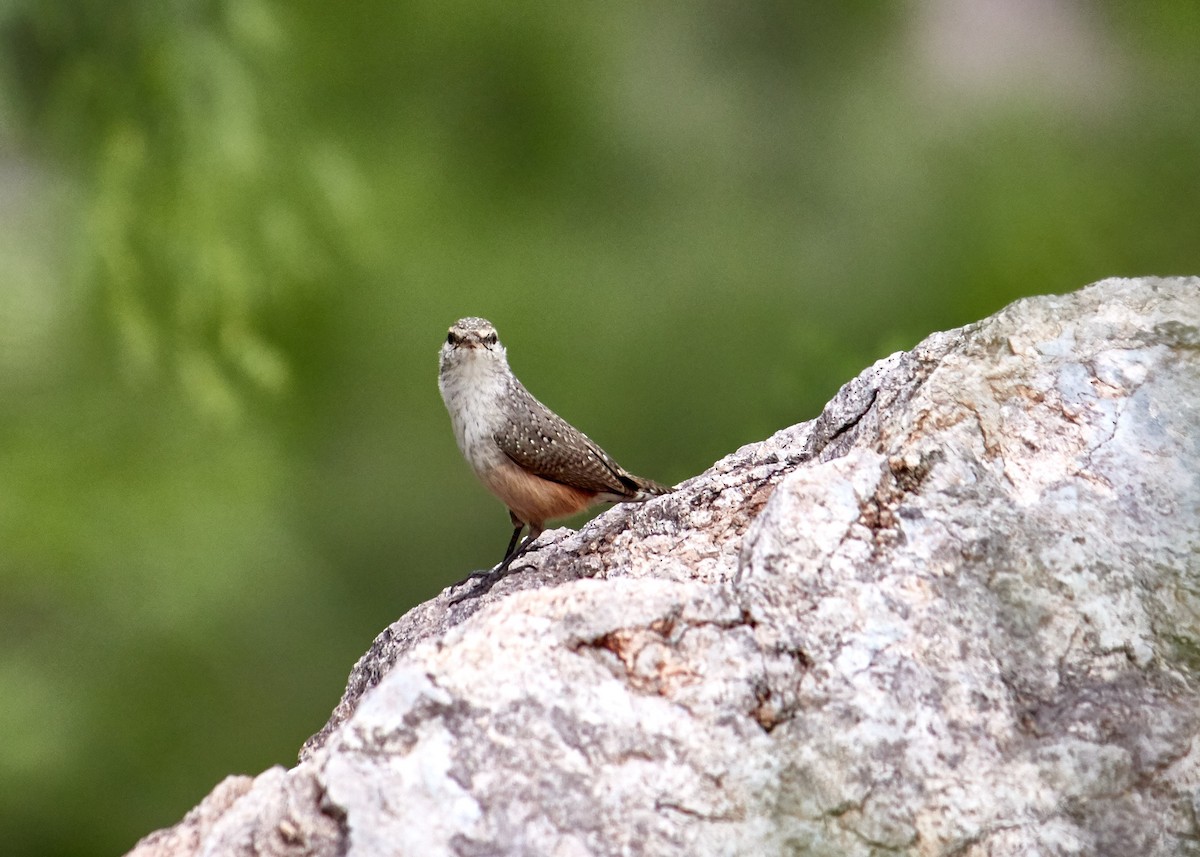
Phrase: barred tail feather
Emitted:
{"points": [[646, 489]]}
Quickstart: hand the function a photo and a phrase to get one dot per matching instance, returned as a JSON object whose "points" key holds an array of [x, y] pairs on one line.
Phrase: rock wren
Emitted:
{"points": [[539, 465]]}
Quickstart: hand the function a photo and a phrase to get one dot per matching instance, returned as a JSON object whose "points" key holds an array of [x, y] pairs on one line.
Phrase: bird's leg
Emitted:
{"points": [[518, 525], [509, 556], [491, 578], [513, 555]]}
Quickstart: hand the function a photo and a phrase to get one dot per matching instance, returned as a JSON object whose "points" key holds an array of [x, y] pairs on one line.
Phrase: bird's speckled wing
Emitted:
{"points": [[547, 445]]}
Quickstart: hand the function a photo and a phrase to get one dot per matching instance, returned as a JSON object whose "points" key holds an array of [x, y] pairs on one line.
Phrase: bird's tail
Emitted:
{"points": [[644, 489]]}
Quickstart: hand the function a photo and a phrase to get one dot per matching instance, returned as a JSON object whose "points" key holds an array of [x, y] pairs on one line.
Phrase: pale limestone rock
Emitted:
{"points": [[958, 613]]}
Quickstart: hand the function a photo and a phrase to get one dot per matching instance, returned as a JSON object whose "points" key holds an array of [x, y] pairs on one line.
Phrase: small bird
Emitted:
{"points": [[539, 465]]}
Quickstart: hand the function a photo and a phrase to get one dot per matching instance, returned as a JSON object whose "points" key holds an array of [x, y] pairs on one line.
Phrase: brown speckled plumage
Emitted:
{"points": [[548, 446]]}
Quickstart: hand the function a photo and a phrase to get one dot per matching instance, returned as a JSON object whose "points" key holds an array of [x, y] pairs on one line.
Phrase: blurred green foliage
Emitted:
{"points": [[235, 232]]}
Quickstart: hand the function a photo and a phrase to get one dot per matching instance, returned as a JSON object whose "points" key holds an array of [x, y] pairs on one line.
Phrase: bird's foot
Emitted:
{"points": [[490, 578]]}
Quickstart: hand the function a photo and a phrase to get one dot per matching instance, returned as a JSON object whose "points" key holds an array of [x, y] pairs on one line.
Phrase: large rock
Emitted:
{"points": [[955, 614]]}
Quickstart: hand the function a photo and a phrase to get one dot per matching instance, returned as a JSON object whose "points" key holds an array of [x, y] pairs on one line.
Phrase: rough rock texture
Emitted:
{"points": [[956, 614]]}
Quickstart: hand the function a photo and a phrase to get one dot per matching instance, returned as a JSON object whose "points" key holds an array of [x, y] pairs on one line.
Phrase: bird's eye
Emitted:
{"points": [[490, 339], [451, 338]]}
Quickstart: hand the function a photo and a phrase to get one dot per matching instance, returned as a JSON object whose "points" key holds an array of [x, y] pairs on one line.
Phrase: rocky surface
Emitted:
{"points": [[956, 614]]}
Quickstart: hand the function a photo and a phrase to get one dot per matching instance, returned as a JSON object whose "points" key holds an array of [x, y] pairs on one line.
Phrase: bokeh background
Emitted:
{"points": [[232, 236]]}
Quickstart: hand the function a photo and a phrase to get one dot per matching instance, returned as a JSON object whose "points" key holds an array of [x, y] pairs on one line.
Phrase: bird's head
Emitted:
{"points": [[471, 339]]}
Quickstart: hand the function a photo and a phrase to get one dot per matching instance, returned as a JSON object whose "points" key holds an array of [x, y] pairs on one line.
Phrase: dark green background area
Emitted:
{"points": [[232, 236]]}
